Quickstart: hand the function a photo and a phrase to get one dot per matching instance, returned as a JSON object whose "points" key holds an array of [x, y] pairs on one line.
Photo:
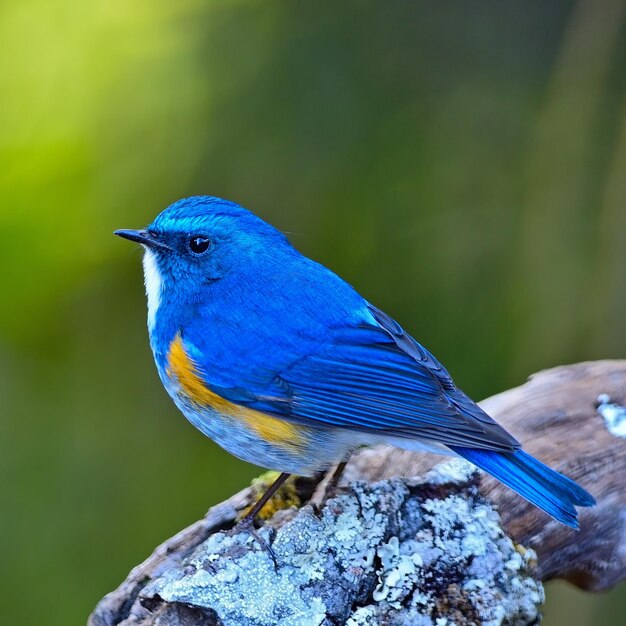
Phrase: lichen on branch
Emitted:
{"points": [[395, 552]]}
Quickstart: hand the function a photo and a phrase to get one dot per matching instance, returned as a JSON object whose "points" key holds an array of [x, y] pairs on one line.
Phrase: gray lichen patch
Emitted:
{"points": [[614, 415], [428, 551]]}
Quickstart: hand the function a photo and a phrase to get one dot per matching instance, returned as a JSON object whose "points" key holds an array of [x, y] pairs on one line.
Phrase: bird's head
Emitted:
{"points": [[201, 240]]}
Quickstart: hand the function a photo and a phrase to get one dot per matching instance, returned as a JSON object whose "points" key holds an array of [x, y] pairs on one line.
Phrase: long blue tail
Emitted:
{"points": [[554, 493]]}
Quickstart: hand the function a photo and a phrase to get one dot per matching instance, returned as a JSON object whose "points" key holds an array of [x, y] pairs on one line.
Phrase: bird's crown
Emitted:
{"points": [[215, 214]]}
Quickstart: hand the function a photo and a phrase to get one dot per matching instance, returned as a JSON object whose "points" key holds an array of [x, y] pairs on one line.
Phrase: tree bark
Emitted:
{"points": [[404, 541]]}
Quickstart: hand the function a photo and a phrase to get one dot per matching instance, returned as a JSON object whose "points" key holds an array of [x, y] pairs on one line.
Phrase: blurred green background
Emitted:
{"points": [[462, 163]]}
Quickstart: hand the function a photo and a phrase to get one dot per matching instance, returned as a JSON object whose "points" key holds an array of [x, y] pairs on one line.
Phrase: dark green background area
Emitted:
{"points": [[462, 163]]}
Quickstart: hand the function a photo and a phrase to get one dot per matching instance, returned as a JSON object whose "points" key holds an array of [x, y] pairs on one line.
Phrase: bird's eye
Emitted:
{"points": [[199, 244]]}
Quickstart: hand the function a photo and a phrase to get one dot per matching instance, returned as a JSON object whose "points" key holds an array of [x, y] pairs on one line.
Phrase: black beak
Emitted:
{"points": [[143, 237]]}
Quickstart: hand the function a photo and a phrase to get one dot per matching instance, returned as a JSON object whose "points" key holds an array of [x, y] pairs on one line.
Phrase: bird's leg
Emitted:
{"points": [[250, 516], [335, 477], [246, 523], [327, 487], [333, 481]]}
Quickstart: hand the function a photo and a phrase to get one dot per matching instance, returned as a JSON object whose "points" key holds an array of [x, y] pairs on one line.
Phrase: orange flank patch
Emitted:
{"points": [[270, 429]]}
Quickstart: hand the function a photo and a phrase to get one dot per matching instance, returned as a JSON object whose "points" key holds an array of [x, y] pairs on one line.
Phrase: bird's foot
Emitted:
{"points": [[246, 526], [327, 486], [246, 523]]}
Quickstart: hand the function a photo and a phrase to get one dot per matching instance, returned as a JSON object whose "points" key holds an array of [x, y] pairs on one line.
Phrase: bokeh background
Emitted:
{"points": [[462, 163]]}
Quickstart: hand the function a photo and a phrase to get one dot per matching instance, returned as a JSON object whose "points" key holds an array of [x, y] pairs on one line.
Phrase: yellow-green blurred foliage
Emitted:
{"points": [[463, 164]]}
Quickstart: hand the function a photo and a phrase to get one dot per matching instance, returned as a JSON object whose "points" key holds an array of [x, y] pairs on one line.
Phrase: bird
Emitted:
{"points": [[285, 365]]}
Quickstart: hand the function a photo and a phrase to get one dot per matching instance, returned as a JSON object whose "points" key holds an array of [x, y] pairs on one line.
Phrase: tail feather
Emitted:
{"points": [[544, 487]]}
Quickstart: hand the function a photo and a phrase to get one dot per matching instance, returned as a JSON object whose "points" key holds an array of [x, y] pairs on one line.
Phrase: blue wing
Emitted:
{"points": [[376, 379]]}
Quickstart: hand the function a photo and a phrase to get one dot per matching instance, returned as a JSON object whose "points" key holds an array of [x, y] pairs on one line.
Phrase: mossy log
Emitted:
{"points": [[407, 539]]}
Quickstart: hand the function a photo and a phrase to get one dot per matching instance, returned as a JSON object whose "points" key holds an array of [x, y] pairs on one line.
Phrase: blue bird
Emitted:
{"points": [[285, 365]]}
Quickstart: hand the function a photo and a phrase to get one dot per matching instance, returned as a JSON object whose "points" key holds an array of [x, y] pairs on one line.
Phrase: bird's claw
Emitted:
{"points": [[246, 525]]}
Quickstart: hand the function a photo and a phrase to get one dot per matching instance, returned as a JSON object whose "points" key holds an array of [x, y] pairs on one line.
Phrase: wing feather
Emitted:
{"points": [[375, 378]]}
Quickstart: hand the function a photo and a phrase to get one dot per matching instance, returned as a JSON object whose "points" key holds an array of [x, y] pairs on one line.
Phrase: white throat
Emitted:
{"points": [[154, 284]]}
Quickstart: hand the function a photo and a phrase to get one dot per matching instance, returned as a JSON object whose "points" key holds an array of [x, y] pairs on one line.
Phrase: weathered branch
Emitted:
{"points": [[395, 549]]}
